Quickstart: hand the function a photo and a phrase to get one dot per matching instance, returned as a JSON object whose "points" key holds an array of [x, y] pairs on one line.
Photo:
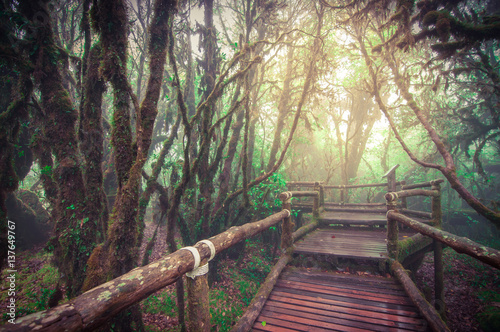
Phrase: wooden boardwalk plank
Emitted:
{"points": [[325, 301], [367, 296], [346, 243], [353, 218], [278, 304]]}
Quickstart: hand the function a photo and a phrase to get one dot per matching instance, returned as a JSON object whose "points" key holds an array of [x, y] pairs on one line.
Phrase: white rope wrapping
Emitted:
{"points": [[211, 246], [394, 196], [200, 270], [197, 260]]}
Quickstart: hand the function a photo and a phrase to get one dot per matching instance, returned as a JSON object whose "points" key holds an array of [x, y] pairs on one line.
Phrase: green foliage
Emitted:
{"points": [[33, 288], [46, 170], [223, 310], [264, 197], [163, 303], [489, 319]]}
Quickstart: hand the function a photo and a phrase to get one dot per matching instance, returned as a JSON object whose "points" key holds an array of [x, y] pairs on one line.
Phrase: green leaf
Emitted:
{"points": [[264, 323]]}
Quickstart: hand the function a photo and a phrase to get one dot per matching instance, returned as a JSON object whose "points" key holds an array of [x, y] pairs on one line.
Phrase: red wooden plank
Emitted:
{"points": [[340, 292], [372, 306], [336, 288], [347, 308], [271, 325], [334, 278], [325, 319], [324, 326], [376, 290]]}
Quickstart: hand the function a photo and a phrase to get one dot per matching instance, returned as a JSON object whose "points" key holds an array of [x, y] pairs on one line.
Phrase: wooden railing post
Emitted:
{"points": [[391, 179], [392, 226], [439, 302], [342, 194], [319, 187], [316, 200], [198, 303], [287, 224], [404, 203]]}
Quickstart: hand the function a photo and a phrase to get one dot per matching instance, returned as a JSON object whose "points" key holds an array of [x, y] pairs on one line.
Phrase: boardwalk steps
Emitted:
{"points": [[353, 242], [326, 301]]}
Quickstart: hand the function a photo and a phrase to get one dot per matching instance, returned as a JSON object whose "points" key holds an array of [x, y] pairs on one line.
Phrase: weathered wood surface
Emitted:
{"points": [[353, 218], [422, 185], [255, 307], [359, 217], [410, 193], [359, 209], [323, 301], [360, 205], [289, 194], [412, 244], [302, 184], [299, 233], [352, 186], [431, 315], [459, 244], [346, 243], [421, 214], [96, 306]]}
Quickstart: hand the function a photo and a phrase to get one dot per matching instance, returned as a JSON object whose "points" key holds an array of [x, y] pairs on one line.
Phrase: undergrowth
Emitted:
{"points": [[35, 282], [486, 282], [472, 289], [239, 281]]}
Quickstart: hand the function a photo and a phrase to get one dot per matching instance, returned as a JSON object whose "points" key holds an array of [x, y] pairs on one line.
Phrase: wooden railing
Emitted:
{"points": [[397, 250], [288, 237], [96, 306], [343, 204]]}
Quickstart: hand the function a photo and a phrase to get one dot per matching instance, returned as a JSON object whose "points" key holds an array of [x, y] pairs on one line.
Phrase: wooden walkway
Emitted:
{"points": [[323, 301], [303, 300], [353, 218], [354, 242]]}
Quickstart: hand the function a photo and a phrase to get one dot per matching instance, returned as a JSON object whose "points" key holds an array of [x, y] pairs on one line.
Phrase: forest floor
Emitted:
{"points": [[472, 291], [472, 288]]}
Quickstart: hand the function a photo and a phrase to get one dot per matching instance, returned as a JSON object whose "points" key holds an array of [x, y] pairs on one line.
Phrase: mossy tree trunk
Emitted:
{"points": [[93, 143], [118, 254], [75, 235], [12, 114]]}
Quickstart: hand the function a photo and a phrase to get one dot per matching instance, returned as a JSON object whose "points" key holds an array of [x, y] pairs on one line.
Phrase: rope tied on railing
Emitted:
{"points": [[391, 196], [285, 195], [200, 270]]}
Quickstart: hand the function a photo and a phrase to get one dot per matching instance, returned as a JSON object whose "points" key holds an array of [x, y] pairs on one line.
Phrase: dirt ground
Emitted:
{"points": [[470, 286]]}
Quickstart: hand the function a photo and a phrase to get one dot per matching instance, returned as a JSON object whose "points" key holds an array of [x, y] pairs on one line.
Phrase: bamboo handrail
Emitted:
{"points": [[96, 306]]}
